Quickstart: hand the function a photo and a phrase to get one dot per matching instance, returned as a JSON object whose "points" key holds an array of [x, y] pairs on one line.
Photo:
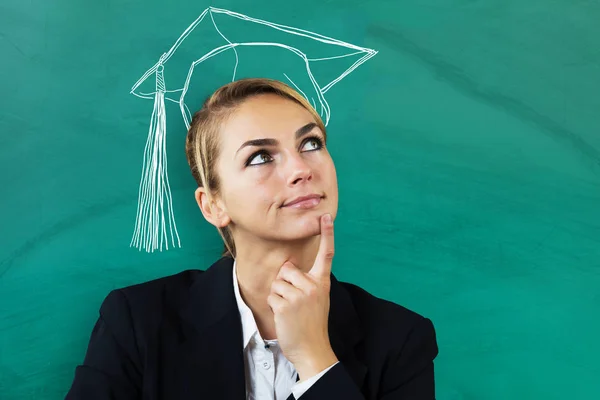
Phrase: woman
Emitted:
{"points": [[268, 320]]}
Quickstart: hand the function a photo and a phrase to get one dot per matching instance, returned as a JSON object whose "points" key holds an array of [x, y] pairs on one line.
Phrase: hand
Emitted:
{"points": [[300, 304]]}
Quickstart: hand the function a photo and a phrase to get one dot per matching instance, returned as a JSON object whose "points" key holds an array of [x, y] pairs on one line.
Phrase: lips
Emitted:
{"points": [[302, 198]]}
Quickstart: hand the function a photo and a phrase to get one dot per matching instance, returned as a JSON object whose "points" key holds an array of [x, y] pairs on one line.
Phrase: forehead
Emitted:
{"points": [[262, 116]]}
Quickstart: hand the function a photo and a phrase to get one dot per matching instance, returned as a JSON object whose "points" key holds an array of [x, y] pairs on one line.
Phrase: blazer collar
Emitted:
{"points": [[211, 336]]}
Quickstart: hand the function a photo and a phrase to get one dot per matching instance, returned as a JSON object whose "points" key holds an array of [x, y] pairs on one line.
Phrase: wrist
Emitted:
{"points": [[313, 365]]}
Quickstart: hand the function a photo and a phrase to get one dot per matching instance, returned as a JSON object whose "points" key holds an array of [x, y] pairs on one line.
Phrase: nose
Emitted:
{"points": [[299, 170]]}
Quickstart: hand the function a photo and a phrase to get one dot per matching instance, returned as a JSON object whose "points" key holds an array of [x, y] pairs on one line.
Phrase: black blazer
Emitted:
{"points": [[180, 338]]}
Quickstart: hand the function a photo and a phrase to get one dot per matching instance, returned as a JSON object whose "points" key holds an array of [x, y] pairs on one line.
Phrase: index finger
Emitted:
{"points": [[322, 267]]}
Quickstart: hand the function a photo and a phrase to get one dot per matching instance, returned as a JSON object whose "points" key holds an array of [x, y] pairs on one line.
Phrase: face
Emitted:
{"points": [[258, 180]]}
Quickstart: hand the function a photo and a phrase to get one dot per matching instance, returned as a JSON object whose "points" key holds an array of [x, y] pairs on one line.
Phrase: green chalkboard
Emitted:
{"points": [[466, 139]]}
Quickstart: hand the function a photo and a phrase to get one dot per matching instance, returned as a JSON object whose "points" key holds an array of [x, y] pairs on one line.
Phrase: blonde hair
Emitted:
{"points": [[202, 143]]}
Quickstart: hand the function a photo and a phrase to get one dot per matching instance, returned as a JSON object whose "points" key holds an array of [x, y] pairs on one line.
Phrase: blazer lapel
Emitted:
{"points": [[211, 351], [345, 331], [211, 346]]}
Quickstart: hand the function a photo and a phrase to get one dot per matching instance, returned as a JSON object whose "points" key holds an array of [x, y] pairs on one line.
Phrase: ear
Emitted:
{"points": [[213, 210]]}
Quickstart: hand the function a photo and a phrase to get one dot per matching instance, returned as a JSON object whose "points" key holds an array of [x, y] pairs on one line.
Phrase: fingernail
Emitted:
{"points": [[327, 218]]}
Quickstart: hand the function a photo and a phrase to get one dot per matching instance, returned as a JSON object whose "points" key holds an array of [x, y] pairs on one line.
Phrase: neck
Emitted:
{"points": [[257, 267]]}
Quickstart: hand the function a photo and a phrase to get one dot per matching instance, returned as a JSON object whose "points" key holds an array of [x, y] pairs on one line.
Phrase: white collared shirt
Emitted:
{"points": [[269, 374]]}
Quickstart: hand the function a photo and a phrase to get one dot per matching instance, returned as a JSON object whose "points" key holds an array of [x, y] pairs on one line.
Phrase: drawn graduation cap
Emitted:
{"points": [[221, 46]]}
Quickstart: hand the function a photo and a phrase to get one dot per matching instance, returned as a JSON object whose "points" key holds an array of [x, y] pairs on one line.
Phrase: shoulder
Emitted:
{"points": [[141, 301], [398, 345], [384, 321]]}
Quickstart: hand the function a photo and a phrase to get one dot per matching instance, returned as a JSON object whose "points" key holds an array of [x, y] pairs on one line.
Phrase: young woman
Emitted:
{"points": [[268, 320]]}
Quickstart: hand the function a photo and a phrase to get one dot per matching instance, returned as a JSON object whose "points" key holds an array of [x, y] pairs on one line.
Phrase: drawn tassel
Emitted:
{"points": [[155, 193]]}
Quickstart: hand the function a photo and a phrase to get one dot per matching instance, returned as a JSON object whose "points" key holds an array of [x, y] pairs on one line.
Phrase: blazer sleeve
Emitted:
{"points": [[111, 368], [408, 374]]}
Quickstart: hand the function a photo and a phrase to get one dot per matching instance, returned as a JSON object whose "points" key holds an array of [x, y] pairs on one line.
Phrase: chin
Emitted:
{"points": [[309, 224]]}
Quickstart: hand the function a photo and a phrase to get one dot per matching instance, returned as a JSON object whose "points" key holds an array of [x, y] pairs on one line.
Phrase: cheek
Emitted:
{"points": [[332, 185], [259, 193], [330, 173]]}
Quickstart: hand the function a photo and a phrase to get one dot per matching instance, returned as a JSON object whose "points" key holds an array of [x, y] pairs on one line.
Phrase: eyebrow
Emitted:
{"points": [[274, 142]]}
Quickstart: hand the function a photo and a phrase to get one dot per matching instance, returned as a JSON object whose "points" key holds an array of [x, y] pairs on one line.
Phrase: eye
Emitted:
{"points": [[266, 157], [315, 139], [256, 155]]}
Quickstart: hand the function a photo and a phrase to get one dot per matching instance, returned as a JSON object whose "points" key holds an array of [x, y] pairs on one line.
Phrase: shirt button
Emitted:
{"points": [[266, 365]]}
